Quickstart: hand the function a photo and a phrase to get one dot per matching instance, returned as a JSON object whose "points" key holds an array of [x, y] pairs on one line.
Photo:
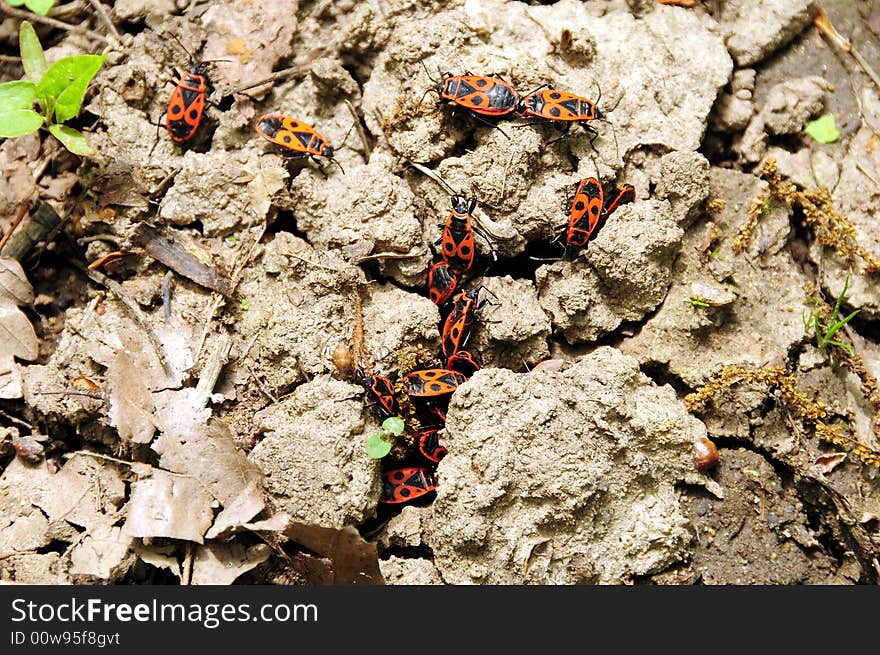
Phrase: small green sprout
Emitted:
{"points": [[825, 333], [698, 303], [57, 90], [823, 129], [380, 444], [245, 305], [40, 7]]}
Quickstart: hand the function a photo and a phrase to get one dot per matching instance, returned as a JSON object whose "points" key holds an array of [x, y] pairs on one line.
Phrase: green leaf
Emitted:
{"points": [[72, 139], [394, 425], [823, 129], [17, 95], [19, 122], [32, 58], [66, 82], [40, 7], [378, 446]]}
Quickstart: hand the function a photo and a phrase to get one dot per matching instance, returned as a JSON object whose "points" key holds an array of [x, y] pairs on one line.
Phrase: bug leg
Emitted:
{"points": [[489, 123], [566, 130]]}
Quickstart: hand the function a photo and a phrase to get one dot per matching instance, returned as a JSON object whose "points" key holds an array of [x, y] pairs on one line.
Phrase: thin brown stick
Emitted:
{"points": [[133, 309], [824, 25], [10, 58], [45, 20], [357, 335], [360, 129], [22, 211], [390, 255], [105, 18], [260, 385], [293, 71]]}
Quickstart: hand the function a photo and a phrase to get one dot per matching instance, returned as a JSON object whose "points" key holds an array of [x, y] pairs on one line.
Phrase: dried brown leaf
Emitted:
{"points": [[246, 506], [104, 553], [210, 456], [17, 336], [355, 560], [10, 378], [165, 505], [162, 557], [829, 462], [132, 411], [221, 563], [14, 284], [87, 493]]}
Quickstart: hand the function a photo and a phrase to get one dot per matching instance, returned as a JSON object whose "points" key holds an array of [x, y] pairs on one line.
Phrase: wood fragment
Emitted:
{"points": [[105, 18], [39, 227], [164, 248], [45, 20], [106, 259]]}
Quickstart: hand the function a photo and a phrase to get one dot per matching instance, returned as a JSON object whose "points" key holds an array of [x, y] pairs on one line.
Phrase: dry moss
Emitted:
{"points": [[811, 411], [831, 228]]}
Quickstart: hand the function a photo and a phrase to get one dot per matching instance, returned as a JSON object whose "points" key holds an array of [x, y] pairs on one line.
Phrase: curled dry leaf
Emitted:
{"points": [[829, 462], [14, 284], [132, 411], [166, 505], [355, 560], [105, 553], [17, 336], [209, 455], [222, 563]]}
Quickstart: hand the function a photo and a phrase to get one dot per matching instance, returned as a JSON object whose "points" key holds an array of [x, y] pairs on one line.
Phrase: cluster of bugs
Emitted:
{"points": [[488, 98], [186, 109], [427, 391]]}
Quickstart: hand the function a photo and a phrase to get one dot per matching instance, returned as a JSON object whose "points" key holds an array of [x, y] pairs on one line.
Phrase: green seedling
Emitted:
{"points": [[823, 129], [40, 7], [380, 444], [698, 303], [57, 91], [825, 333]]}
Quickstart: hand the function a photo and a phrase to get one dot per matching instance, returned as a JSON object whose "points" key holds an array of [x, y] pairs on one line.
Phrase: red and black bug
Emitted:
{"points": [[562, 108], [405, 484], [442, 283], [480, 94], [589, 211], [186, 108], [429, 445], [301, 139], [382, 391], [457, 245], [484, 97], [466, 362], [433, 382], [458, 326]]}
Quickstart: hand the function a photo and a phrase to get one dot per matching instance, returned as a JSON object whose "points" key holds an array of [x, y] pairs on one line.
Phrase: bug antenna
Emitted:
{"points": [[422, 62], [189, 54], [333, 159], [345, 138], [422, 99]]}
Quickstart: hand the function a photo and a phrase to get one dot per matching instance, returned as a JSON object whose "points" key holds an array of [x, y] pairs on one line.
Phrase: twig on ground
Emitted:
{"points": [[133, 309], [105, 18], [45, 20], [360, 129], [22, 211]]}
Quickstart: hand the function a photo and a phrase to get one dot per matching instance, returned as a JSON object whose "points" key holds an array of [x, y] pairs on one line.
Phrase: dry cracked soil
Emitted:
{"points": [[691, 398]]}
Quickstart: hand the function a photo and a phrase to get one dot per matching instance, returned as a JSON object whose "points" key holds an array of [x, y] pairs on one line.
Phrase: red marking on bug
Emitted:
{"points": [[405, 484]]}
